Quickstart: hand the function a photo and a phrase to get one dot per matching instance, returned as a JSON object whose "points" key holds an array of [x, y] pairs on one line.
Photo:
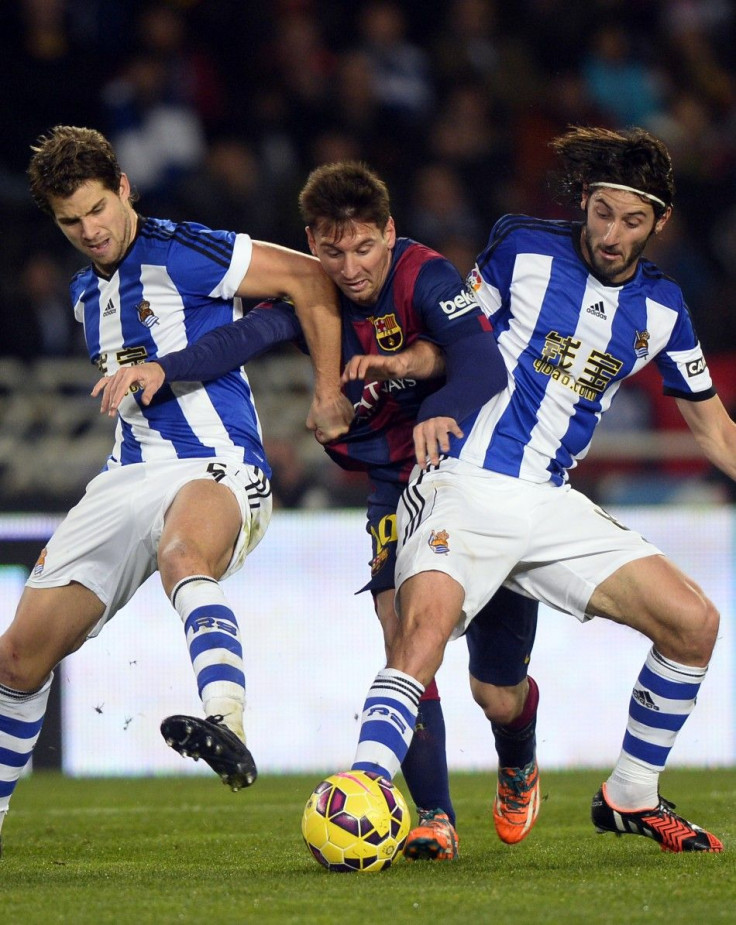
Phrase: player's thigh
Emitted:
{"points": [[201, 527], [49, 624], [212, 512], [654, 596], [430, 607]]}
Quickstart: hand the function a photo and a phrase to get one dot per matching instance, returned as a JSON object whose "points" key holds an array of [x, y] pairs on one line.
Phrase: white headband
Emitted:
{"points": [[630, 189]]}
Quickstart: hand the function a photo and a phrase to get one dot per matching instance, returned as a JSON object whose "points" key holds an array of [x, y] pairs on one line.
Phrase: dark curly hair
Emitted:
{"points": [[632, 157], [68, 157]]}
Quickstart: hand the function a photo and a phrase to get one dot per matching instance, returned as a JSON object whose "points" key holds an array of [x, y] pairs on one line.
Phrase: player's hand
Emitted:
{"points": [[374, 367], [146, 376], [432, 438], [330, 416]]}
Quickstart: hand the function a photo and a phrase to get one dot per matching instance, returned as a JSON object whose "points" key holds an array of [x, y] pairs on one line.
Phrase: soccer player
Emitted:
{"points": [[576, 308], [186, 488], [400, 303]]}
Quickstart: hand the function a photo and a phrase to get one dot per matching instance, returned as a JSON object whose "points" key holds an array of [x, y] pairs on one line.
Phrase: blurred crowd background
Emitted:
{"points": [[218, 110]]}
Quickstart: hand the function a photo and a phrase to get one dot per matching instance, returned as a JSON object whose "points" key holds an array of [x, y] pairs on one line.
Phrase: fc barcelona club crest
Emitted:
{"points": [[389, 335]]}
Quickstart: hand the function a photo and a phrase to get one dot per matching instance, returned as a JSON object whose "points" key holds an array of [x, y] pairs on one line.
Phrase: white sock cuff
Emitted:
{"points": [[401, 683], [674, 671], [195, 591], [24, 696]]}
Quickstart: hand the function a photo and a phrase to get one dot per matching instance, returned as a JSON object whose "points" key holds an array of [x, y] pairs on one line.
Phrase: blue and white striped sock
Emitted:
{"points": [[663, 698], [215, 648], [21, 718], [387, 726]]}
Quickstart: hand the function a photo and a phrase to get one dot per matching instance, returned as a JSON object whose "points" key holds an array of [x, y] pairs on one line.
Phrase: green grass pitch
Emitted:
{"points": [[168, 850]]}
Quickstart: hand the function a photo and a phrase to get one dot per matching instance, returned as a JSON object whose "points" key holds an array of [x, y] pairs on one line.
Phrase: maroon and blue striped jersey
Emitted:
{"points": [[423, 296]]}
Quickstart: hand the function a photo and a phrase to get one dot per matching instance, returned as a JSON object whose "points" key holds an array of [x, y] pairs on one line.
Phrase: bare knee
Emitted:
{"points": [[501, 705], [695, 640], [19, 673], [654, 597]]}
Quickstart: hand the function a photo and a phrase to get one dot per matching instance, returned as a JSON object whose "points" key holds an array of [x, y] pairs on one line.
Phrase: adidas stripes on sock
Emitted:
{"points": [[663, 698], [213, 639], [21, 718], [387, 725]]}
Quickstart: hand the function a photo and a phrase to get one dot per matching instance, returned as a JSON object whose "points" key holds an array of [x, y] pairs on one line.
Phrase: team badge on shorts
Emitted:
{"points": [[40, 563], [439, 542]]}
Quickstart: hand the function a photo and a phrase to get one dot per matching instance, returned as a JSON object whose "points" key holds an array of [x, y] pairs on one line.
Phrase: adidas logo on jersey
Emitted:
{"points": [[109, 309], [598, 310]]}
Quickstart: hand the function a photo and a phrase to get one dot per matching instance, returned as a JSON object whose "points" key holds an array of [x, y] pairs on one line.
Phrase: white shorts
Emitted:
{"points": [[109, 541], [485, 529]]}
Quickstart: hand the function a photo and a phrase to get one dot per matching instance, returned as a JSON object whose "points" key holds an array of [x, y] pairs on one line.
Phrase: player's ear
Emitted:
{"points": [[662, 220], [124, 190], [310, 241], [389, 232]]}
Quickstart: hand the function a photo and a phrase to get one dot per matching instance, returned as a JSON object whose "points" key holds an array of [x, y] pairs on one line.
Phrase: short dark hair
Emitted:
{"points": [[633, 158], [68, 157], [343, 192]]}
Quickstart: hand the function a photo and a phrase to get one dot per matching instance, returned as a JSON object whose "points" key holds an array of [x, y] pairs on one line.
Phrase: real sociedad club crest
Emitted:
{"points": [[389, 335], [40, 563], [145, 314], [641, 344], [439, 542]]}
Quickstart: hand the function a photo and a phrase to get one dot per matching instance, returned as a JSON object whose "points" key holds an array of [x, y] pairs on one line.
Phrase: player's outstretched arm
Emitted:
{"points": [[423, 360], [147, 376], [280, 271], [714, 431], [216, 353]]}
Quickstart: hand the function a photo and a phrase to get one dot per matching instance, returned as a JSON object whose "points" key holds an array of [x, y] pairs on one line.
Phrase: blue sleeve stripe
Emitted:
{"points": [[208, 246]]}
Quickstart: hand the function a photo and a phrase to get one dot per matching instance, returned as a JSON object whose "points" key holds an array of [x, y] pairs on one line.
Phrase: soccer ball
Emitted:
{"points": [[355, 820]]}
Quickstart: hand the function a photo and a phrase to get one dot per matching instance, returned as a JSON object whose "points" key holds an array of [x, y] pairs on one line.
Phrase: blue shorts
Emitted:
{"points": [[500, 638]]}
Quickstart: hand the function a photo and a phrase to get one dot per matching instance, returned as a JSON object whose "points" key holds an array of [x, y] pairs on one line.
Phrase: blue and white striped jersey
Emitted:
{"points": [[568, 341], [176, 282]]}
